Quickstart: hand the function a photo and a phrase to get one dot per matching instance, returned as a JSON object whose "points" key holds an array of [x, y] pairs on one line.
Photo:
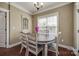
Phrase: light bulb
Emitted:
{"points": [[42, 3], [35, 2]]}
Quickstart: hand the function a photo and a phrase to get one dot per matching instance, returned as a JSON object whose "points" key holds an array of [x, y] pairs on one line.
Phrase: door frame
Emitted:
{"points": [[7, 18]]}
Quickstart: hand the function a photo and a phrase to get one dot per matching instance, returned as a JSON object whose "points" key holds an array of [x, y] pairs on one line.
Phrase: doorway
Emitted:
{"points": [[3, 29]]}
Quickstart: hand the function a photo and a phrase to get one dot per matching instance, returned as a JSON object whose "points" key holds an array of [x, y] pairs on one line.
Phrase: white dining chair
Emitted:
{"points": [[53, 47], [24, 43], [33, 46]]}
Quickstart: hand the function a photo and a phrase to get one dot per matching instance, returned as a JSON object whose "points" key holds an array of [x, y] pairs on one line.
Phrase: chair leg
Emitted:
{"points": [[21, 49], [36, 53], [57, 50], [46, 49], [27, 52], [43, 51]]}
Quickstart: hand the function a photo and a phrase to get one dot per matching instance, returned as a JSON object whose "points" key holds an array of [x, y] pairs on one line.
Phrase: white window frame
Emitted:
{"points": [[52, 14]]}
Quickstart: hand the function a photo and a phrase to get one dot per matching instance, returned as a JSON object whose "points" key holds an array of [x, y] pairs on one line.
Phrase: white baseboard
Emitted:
{"points": [[75, 52], [15, 44], [69, 48], [65, 46]]}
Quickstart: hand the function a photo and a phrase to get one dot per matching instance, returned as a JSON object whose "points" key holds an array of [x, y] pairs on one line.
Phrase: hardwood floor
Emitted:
{"points": [[15, 52]]}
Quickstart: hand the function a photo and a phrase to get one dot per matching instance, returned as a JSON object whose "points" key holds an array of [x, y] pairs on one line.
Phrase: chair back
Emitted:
{"points": [[32, 43], [24, 39]]}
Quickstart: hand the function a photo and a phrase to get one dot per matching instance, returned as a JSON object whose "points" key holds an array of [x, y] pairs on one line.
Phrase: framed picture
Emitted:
{"points": [[24, 23]]}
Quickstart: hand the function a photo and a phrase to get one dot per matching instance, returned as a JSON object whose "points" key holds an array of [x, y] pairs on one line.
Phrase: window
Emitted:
{"points": [[42, 24], [48, 23]]}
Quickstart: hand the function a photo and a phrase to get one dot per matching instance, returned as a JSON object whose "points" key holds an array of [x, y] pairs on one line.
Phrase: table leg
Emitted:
{"points": [[43, 52], [46, 49]]}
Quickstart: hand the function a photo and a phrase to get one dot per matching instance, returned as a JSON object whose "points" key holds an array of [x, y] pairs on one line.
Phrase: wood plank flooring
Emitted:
{"points": [[15, 52]]}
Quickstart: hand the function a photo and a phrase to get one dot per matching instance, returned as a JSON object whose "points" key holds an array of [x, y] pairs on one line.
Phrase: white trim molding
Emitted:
{"points": [[57, 6], [69, 48], [23, 9], [65, 46], [75, 52], [5, 10], [13, 45], [19, 7]]}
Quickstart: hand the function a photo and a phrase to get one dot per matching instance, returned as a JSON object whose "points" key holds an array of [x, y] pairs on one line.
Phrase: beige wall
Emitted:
{"points": [[15, 22], [65, 22]]}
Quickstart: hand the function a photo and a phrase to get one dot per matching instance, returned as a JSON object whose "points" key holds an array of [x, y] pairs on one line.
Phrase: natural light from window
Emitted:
{"points": [[48, 23]]}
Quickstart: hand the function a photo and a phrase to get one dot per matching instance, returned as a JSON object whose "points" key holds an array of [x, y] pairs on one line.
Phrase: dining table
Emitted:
{"points": [[45, 39]]}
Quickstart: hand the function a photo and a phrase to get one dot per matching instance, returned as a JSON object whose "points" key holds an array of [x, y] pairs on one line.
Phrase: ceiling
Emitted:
{"points": [[32, 10]]}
